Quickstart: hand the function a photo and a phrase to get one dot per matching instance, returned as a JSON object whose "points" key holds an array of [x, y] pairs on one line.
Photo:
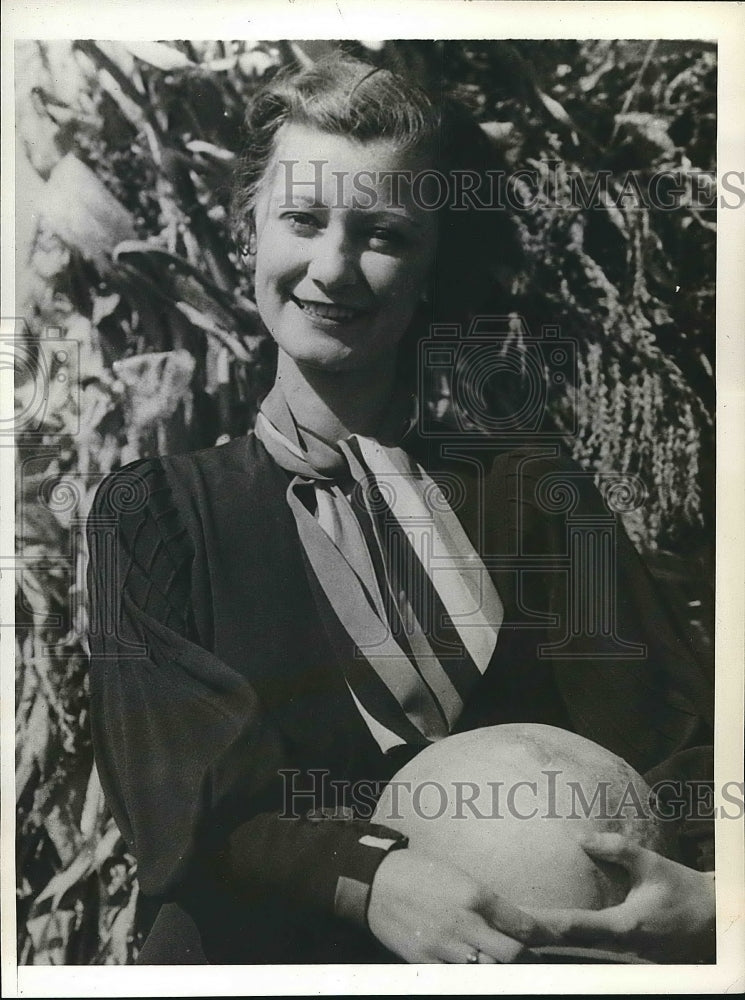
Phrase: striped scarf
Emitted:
{"points": [[398, 571]]}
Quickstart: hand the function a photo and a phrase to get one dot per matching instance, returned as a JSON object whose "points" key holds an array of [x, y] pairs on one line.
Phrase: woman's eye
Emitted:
{"points": [[389, 239], [302, 222]]}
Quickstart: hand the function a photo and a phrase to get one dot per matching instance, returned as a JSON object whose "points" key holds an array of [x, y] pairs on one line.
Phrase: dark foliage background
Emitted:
{"points": [[137, 334]]}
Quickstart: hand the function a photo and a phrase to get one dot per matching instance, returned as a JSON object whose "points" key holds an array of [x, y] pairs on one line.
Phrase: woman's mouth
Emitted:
{"points": [[327, 312]]}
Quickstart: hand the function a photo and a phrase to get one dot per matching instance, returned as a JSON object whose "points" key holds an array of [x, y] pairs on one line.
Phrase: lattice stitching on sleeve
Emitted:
{"points": [[154, 551]]}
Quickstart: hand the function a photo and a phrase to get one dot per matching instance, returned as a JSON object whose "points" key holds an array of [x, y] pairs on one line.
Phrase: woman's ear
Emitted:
{"points": [[248, 248]]}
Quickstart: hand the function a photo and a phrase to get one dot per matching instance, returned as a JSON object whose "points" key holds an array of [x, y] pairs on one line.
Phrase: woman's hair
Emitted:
{"points": [[344, 96]]}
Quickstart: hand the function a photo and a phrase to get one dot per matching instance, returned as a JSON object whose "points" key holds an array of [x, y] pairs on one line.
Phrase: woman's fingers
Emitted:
{"points": [[669, 911], [614, 924], [523, 927], [490, 947], [486, 959], [587, 927], [497, 947], [424, 911], [461, 952], [616, 848]]}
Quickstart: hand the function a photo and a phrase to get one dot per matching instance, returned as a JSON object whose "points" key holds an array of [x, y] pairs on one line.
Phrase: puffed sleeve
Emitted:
{"points": [[188, 760]]}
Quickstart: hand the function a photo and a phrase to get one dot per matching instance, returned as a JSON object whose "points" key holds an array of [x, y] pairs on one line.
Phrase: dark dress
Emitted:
{"points": [[215, 668]]}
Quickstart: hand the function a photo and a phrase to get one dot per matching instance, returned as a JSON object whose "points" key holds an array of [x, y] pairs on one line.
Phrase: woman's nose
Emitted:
{"points": [[333, 263]]}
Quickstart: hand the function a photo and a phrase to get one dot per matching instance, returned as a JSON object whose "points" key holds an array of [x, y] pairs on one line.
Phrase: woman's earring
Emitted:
{"points": [[249, 249]]}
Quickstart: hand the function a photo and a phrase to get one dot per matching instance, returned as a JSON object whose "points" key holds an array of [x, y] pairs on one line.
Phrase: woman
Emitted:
{"points": [[265, 640]]}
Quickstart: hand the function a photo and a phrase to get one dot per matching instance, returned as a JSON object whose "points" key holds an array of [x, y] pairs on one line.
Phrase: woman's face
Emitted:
{"points": [[340, 263]]}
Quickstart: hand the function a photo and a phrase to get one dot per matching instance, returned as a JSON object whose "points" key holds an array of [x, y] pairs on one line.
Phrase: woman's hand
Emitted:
{"points": [[426, 910], [668, 915]]}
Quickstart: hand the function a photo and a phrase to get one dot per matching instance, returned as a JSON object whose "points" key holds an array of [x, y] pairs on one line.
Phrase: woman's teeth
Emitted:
{"points": [[321, 310]]}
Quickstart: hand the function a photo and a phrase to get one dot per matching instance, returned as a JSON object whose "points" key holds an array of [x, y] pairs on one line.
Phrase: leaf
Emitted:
{"points": [[614, 213], [34, 742], [120, 55], [60, 825], [305, 60], [255, 63], [187, 280], [500, 133], [122, 925], [34, 593], [207, 324], [220, 65], [79, 868], [199, 146], [50, 934], [157, 54], [29, 188], [83, 212], [105, 846], [555, 109], [589, 82], [93, 806], [103, 306], [155, 385], [650, 128]]}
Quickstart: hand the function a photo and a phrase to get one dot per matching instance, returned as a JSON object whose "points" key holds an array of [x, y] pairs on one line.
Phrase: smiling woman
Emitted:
{"points": [[363, 149], [338, 285], [303, 610]]}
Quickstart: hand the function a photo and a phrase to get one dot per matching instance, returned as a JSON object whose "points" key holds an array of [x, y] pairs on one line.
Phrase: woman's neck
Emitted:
{"points": [[335, 404]]}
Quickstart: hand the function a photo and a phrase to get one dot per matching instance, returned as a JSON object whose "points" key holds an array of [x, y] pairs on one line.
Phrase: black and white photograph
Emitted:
{"points": [[376, 574]]}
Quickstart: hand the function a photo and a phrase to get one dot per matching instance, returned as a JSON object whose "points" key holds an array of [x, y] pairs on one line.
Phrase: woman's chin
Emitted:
{"points": [[328, 356], [325, 359]]}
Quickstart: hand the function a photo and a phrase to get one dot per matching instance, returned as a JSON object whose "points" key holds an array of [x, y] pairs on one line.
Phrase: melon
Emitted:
{"points": [[509, 805]]}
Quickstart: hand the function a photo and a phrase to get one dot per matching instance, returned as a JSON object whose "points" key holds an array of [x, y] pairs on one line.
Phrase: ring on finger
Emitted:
{"points": [[473, 956]]}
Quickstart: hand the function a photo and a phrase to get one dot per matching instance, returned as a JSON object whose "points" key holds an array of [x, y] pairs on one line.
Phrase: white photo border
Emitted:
{"points": [[391, 19]]}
